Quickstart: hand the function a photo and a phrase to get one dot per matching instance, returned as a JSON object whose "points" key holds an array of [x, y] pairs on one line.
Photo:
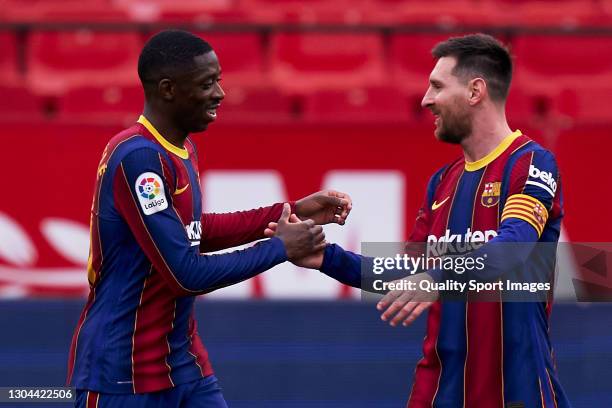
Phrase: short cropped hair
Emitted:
{"points": [[480, 55], [169, 52]]}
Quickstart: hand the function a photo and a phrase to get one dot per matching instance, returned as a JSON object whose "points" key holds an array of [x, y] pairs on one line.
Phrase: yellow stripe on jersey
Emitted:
{"points": [[182, 153], [526, 208], [494, 154]]}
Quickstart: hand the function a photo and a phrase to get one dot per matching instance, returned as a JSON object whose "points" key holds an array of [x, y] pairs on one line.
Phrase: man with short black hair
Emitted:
{"points": [[506, 186], [136, 343]]}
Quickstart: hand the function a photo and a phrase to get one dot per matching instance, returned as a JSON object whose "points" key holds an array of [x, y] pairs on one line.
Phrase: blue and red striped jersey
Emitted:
{"points": [[484, 354], [137, 332]]}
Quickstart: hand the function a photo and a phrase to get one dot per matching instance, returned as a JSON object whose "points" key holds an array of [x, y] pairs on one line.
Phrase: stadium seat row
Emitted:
{"points": [[56, 61], [445, 12], [119, 105]]}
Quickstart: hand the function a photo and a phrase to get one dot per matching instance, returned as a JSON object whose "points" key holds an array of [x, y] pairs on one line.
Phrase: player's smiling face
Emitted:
{"points": [[447, 98], [199, 94]]}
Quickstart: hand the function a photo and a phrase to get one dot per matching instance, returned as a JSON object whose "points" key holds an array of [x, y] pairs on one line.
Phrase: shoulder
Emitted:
{"points": [[534, 153], [135, 146], [531, 160], [532, 170]]}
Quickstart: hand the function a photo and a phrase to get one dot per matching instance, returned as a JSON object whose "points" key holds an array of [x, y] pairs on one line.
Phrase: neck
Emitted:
{"points": [[488, 132], [165, 126]]}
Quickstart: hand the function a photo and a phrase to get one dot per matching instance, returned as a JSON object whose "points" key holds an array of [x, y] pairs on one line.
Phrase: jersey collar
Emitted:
{"points": [[182, 153], [495, 153]]}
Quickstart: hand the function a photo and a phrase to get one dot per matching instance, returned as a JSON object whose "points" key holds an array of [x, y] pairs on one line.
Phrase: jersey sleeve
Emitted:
{"points": [[342, 265], [141, 196], [533, 192], [221, 231]]}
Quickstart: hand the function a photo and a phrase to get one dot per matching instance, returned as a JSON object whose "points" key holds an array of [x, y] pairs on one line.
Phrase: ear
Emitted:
{"points": [[166, 89], [477, 91]]}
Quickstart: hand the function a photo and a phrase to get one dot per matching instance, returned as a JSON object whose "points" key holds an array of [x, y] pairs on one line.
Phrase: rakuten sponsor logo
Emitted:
{"points": [[458, 243]]}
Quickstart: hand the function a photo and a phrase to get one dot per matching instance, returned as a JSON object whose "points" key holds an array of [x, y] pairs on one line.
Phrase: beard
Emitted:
{"points": [[454, 127]]}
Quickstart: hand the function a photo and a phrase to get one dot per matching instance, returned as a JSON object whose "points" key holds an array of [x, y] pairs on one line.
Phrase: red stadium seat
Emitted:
{"points": [[110, 99], [444, 13], [207, 17], [19, 104], [562, 55], [241, 56], [305, 62], [61, 10], [58, 61], [153, 10], [256, 104], [548, 63], [411, 59], [523, 107], [587, 105], [8, 58], [551, 13], [110, 104], [300, 11], [357, 105]]}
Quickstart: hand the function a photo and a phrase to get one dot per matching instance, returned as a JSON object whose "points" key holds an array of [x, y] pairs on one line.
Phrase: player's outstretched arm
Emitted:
{"points": [[226, 230], [161, 234], [345, 266]]}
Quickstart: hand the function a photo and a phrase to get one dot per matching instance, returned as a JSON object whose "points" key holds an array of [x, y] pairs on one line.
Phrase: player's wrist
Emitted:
{"points": [[279, 248], [328, 257]]}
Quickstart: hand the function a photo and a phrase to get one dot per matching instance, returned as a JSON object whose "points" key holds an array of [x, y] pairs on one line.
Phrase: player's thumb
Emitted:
{"points": [[284, 218]]}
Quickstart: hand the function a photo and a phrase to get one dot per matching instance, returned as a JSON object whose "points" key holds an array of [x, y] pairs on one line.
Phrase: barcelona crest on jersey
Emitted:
{"points": [[490, 194]]}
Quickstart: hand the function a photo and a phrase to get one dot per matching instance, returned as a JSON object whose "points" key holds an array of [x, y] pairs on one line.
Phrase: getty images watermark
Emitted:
{"points": [[496, 272]]}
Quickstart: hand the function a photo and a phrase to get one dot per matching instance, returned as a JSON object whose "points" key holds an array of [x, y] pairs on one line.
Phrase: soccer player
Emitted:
{"points": [[136, 343], [504, 190]]}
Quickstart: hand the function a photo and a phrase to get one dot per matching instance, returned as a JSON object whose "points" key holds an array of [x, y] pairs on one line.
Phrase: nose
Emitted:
{"points": [[219, 92], [427, 100]]}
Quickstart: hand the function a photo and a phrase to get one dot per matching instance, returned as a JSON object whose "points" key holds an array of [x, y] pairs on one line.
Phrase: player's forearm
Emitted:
{"points": [[355, 270], [205, 273], [188, 272], [344, 266], [227, 230]]}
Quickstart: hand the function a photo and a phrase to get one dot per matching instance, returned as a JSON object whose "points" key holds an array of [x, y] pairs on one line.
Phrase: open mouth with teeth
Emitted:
{"points": [[212, 112], [436, 119]]}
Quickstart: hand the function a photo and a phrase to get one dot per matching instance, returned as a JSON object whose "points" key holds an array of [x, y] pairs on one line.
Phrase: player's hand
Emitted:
{"points": [[301, 238], [404, 306], [325, 207], [311, 261]]}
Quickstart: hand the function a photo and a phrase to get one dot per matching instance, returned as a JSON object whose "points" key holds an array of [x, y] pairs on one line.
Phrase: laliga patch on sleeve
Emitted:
{"points": [[150, 192]]}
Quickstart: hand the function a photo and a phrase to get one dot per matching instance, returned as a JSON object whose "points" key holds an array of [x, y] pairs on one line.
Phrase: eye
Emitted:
{"points": [[209, 84]]}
